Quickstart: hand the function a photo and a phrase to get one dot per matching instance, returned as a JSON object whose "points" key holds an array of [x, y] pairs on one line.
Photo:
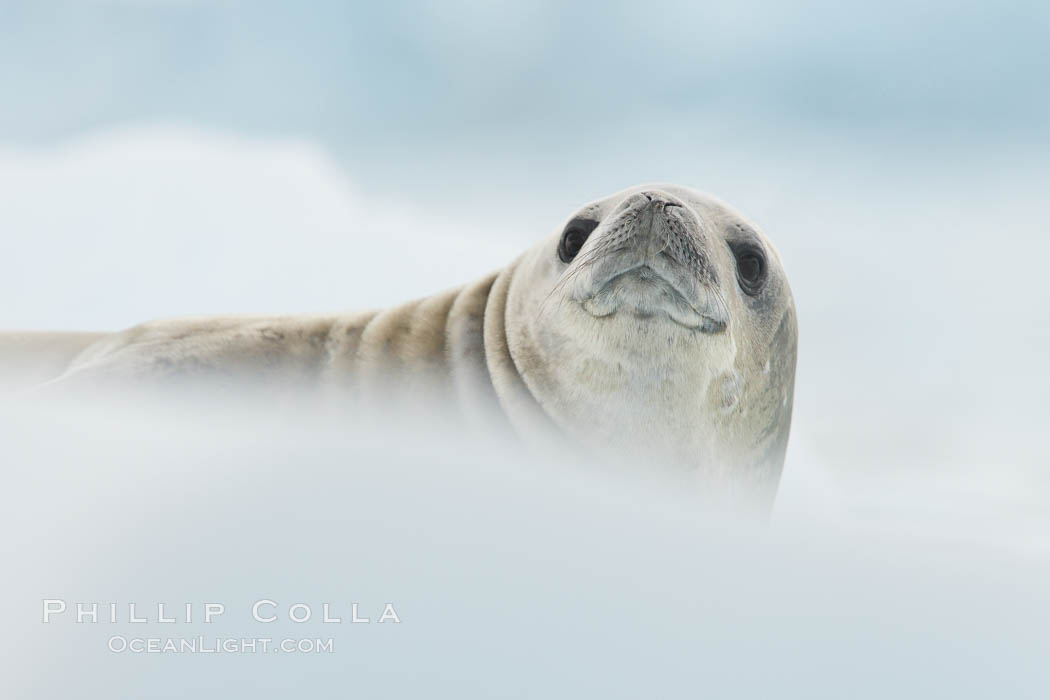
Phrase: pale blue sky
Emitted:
{"points": [[364, 76], [434, 98]]}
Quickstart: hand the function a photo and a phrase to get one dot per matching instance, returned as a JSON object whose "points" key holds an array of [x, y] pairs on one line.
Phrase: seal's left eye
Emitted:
{"points": [[576, 234], [750, 269]]}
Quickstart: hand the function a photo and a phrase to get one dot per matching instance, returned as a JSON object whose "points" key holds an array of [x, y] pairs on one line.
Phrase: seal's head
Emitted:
{"points": [[660, 321]]}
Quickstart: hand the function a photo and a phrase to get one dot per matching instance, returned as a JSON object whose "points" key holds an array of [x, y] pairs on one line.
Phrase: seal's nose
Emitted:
{"points": [[659, 199], [653, 211], [650, 199], [658, 225]]}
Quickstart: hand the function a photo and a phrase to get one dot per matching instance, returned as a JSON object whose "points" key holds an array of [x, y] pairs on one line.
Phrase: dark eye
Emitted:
{"points": [[750, 269], [576, 234]]}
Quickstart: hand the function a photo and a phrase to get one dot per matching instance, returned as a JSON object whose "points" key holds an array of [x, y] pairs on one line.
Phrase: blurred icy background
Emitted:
{"points": [[181, 157]]}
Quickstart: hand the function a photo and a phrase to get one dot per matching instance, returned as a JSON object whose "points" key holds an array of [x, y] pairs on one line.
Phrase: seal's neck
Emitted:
{"points": [[518, 403]]}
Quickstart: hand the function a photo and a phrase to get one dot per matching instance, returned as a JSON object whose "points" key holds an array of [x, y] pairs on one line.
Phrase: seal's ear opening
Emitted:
{"points": [[575, 235]]}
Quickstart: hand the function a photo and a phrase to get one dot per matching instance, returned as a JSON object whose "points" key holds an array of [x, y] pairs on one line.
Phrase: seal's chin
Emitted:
{"points": [[644, 293]]}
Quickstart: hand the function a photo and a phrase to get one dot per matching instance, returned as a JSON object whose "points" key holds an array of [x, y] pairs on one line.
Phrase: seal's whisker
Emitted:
{"points": [[585, 261]]}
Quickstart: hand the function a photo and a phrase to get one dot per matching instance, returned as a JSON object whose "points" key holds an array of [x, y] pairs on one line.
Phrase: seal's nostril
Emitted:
{"points": [[657, 198]]}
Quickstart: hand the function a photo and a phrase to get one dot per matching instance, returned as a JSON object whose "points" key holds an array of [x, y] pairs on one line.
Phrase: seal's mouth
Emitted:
{"points": [[645, 293]]}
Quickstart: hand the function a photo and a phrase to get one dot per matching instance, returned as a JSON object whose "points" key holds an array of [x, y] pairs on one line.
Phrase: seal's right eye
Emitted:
{"points": [[576, 234]]}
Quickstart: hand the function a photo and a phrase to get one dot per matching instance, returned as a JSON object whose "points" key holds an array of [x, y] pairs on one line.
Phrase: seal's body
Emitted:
{"points": [[656, 321]]}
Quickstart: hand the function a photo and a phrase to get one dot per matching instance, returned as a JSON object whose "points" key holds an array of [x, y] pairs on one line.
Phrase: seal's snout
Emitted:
{"points": [[660, 229], [650, 256]]}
